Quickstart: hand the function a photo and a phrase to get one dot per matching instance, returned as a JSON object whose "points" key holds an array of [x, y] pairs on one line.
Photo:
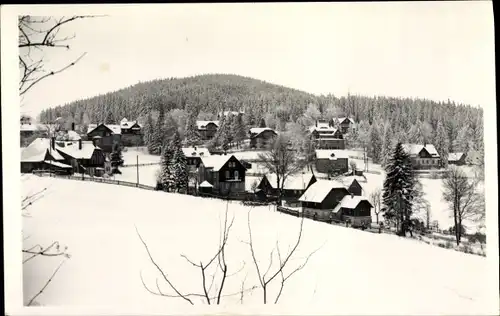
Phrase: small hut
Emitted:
{"points": [[205, 188]]}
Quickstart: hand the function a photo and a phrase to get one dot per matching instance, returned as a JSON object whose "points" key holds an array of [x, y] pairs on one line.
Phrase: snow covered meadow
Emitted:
{"points": [[351, 272]]}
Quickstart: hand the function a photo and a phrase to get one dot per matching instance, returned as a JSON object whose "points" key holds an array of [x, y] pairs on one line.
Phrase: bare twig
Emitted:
{"points": [[47, 283], [160, 270], [45, 252]]}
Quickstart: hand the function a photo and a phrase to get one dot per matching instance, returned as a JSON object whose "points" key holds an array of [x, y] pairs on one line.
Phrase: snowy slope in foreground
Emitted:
{"points": [[353, 272]]}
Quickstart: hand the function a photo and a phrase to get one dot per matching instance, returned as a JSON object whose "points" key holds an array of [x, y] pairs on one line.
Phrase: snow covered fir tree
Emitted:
{"points": [[116, 158], [399, 190]]}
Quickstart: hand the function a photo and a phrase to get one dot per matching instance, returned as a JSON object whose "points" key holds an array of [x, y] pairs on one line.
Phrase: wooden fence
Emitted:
{"points": [[140, 165]]}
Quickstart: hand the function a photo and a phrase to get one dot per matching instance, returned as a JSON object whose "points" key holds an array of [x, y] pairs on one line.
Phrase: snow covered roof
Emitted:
{"points": [[341, 119], [72, 135], [36, 151], [455, 156], [71, 148], [331, 154], [116, 129], [203, 124], [216, 161], [126, 124], [350, 202], [255, 131], [414, 149], [318, 191], [58, 164], [205, 184], [323, 128], [292, 182], [196, 151], [350, 179]]}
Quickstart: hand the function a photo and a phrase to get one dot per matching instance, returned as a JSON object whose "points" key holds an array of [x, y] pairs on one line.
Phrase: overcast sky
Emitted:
{"points": [[435, 50]]}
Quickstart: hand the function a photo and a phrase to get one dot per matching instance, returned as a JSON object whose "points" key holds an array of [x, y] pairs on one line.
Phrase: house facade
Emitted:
{"points": [[423, 156], [224, 172], [194, 155], [104, 135], [207, 129], [355, 188], [294, 186], [331, 161], [321, 198], [345, 123], [131, 133], [261, 136], [326, 136]]}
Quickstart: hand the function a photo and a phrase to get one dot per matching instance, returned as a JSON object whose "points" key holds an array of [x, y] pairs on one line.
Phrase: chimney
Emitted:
{"points": [[194, 147], [53, 143], [73, 126], [352, 195], [80, 144]]}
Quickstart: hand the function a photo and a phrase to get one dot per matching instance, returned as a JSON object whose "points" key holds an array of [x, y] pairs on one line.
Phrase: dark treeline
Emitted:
{"points": [[449, 126]]}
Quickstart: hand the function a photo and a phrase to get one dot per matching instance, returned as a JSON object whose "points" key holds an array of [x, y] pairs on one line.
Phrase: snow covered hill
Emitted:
{"points": [[352, 272]]}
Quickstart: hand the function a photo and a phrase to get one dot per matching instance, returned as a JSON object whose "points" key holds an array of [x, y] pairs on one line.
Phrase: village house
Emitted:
{"points": [[353, 184], [104, 135], [131, 133], [345, 123], [331, 161], [207, 129], [423, 156], [40, 155], [261, 136], [224, 172], [458, 159], [326, 136], [82, 156], [321, 198], [194, 155], [293, 188], [353, 209]]}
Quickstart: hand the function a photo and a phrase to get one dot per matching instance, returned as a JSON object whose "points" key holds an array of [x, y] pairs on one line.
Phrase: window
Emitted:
{"points": [[236, 174], [227, 174]]}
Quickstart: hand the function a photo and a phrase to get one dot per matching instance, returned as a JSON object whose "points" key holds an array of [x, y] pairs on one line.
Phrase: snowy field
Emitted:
{"points": [[352, 272], [130, 156]]}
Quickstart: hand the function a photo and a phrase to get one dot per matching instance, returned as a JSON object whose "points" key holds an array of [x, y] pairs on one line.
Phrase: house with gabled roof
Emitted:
{"points": [[261, 136], [194, 155], [40, 155], [423, 156], [344, 123], [458, 159], [331, 161], [207, 129], [83, 156], [295, 185], [130, 127], [354, 184], [326, 136], [319, 200], [353, 209], [105, 135], [224, 172]]}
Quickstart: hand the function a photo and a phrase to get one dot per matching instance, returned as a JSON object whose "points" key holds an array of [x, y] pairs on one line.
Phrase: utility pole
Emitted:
{"points": [[137, 164]]}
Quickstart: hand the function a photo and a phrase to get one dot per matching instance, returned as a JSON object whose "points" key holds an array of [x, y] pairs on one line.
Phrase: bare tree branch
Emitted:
{"points": [[160, 270], [46, 284]]}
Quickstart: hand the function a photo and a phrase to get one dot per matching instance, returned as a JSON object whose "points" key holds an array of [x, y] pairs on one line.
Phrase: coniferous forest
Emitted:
{"points": [[381, 120]]}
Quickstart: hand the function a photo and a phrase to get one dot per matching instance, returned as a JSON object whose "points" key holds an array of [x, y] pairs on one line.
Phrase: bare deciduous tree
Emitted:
{"points": [[353, 166], [282, 161], [376, 199], [267, 277], [463, 196], [218, 261], [36, 35]]}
